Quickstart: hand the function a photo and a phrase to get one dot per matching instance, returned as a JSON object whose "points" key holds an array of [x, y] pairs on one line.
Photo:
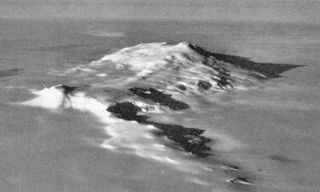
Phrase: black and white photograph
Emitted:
{"points": [[159, 95]]}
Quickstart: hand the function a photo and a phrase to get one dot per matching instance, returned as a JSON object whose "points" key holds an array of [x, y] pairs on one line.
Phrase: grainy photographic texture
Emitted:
{"points": [[159, 95]]}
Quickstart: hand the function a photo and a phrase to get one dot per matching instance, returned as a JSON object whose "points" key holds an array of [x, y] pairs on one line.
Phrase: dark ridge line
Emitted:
{"points": [[159, 97], [269, 70], [10, 72], [189, 139]]}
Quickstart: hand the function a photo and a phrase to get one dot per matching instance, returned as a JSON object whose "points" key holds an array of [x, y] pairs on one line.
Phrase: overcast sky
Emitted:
{"points": [[306, 11]]}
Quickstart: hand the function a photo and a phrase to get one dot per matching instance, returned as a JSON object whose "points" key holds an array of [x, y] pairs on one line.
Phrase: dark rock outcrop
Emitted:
{"points": [[127, 111], [205, 85], [159, 97], [240, 180], [182, 87], [189, 139], [269, 70]]}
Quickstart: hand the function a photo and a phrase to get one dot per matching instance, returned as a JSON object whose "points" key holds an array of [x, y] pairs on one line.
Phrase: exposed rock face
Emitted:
{"points": [[204, 85], [125, 111], [188, 139], [267, 70], [159, 97], [182, 87]]}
